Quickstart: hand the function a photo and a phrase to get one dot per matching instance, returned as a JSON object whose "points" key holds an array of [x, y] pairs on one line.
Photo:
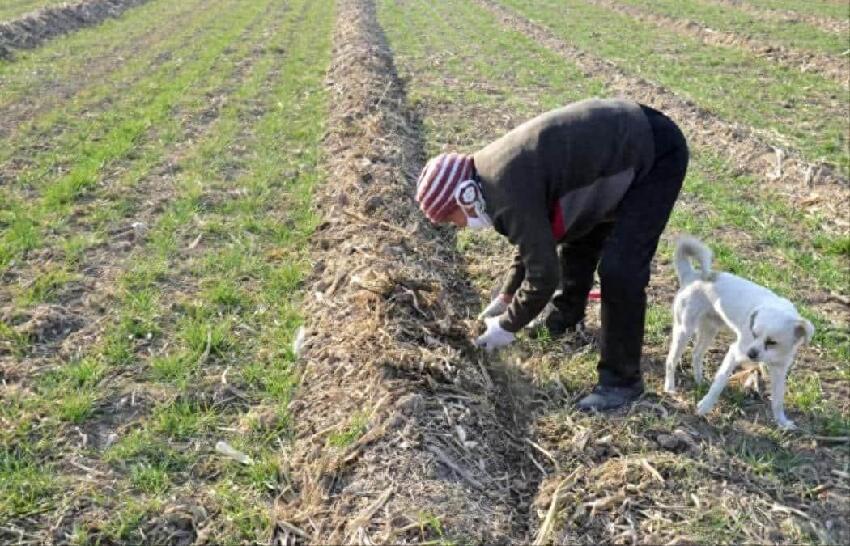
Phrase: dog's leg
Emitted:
{"points": [[677, 346], [730, 362], [705, 336], [778, 377]]}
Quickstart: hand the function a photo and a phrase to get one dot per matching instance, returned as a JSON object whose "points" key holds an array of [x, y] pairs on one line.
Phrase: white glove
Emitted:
{"points": [[494, 309], [495, 336]]}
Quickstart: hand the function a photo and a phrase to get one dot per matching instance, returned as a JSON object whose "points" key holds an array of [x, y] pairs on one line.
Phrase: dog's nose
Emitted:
{"points": [[753, 354]]}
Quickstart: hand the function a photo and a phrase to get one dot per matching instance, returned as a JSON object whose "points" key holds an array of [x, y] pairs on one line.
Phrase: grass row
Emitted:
{"points": [[727, 19], [804, 111], [41, 143], [96, 143], [99, 54], [222, 70], [506, 73], [239, 290]]}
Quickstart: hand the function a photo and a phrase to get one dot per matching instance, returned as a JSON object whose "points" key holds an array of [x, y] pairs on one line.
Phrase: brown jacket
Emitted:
{"points": [[553, 178]]}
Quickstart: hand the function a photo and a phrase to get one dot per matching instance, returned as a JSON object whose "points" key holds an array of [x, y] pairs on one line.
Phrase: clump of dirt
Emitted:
{"points": [[403, 432], [34, 28], [46, 323]]}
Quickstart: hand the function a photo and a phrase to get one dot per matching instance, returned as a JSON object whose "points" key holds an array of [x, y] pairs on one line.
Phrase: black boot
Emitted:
{"points": [[604, 397]]}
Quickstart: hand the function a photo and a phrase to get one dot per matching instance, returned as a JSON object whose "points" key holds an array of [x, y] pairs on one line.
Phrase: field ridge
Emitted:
{"points": [[401, 433]]}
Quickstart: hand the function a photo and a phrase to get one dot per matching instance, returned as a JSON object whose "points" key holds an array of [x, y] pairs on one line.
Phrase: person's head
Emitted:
{"points": [[446, 192]]}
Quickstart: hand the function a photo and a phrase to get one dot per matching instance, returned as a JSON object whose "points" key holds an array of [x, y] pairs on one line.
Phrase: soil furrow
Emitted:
{"points": [[388, 347], [784, 171], [35, 28], [831, 68], [788, 16]]}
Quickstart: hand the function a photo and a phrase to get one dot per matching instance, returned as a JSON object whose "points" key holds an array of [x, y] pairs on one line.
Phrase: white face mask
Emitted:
{"points": [[468, 195], [478, 222]]}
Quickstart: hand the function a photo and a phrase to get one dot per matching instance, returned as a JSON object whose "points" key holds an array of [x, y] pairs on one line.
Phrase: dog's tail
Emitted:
{"points": [[688, 248]]}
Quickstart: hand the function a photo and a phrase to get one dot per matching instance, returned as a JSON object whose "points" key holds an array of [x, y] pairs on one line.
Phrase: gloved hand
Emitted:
{"points": [[495, 336], [496, 307]]}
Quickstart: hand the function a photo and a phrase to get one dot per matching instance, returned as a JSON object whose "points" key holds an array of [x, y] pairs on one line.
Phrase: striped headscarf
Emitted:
{"points": [[436, 185]]}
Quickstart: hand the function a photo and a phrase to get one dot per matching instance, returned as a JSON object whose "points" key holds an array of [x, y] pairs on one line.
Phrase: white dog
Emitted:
{"points": [[768, 328]]}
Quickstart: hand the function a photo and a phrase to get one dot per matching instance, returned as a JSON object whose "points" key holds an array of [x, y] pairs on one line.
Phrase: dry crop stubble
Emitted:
{"points": [[401, 432]]}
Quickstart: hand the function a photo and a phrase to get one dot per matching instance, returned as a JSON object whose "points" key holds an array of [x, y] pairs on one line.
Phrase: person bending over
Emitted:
{"points": [[586, 186]]}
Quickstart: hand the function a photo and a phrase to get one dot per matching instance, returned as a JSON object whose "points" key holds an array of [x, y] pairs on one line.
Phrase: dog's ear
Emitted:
{"points": [[804, 329]]}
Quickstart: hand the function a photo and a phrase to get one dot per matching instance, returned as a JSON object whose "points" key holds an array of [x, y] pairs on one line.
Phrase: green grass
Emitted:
{"points": [[45, 286], [183, 320], [347, 436], [805, 110], [111, 136], [140, 37], [24, 484], [723, 18]]}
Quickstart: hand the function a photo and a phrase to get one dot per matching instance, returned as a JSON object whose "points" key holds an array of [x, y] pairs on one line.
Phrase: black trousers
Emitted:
{"points": [[623, 251]]}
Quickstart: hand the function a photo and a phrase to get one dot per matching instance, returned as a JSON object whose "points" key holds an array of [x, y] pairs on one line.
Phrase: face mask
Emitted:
{"points": [[468, 196], [478, 222]]}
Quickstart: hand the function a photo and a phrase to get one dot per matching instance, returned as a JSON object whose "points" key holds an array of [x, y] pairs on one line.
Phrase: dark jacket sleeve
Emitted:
{"points": [[529, 229], [515, 276]]}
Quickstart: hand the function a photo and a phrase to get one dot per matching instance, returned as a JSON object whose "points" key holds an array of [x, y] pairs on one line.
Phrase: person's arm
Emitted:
{"points": [[514, 278], [530, 230]]}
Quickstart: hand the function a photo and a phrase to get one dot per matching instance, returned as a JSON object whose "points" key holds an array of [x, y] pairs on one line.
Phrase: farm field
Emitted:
{"points": [[223, 319]]}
